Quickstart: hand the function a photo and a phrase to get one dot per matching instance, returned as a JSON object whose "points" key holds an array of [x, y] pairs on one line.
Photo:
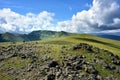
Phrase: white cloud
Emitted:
{"points": [[116, 22], [103, 14], [14, 22]]}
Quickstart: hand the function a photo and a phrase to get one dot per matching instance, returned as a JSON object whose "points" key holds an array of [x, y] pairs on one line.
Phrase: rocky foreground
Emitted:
{"points": [[29, 61]]}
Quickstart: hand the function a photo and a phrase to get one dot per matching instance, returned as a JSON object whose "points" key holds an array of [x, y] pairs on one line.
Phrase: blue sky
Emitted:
{"points": [[79, 16], [63, 9]]}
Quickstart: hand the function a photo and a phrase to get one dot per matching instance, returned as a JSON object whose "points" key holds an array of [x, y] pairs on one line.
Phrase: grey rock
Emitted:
{"points": [[50, 77], [53, 64]]}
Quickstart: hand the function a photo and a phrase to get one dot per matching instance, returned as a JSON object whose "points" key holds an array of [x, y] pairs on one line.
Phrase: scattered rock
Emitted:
{"points": [[53, 64], [76, 67], [50, 77]]}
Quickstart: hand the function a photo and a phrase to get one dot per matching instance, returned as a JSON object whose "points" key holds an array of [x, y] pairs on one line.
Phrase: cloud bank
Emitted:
{"points": [[103, 15], [14, 22]]}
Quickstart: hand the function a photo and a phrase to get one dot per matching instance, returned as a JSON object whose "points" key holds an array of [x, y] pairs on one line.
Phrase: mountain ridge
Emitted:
{"points": [[109, 36], [34, 35], [45, 34]]}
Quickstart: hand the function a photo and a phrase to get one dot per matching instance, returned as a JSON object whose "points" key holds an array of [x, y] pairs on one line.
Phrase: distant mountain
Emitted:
{"points": [[35, 35], [114, 36], [9, 37], [44, 34]]}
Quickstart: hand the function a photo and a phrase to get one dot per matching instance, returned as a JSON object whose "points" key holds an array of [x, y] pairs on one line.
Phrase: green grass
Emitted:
{"points": [[107, 44], [53, 47], [102, 43], [15, 63]]}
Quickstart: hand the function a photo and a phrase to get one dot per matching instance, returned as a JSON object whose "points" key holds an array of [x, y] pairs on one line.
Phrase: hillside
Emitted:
{"points": [[45, 34], [35, 35], [76, 57]]}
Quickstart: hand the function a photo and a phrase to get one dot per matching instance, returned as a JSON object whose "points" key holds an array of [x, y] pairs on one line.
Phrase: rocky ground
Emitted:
{"points": [[30, 61]]}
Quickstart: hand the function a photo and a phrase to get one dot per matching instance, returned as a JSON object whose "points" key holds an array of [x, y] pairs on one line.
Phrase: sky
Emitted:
{"points": [[77, 16]]}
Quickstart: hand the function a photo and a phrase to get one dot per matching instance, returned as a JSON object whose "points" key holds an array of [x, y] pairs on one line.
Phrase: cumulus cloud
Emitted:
{"points": [[14, 22], [102, 15]]}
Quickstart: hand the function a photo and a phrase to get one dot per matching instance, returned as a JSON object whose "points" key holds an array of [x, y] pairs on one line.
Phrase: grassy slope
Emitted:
{"points": [[102, 43], [107, 44], [54, 47]]}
